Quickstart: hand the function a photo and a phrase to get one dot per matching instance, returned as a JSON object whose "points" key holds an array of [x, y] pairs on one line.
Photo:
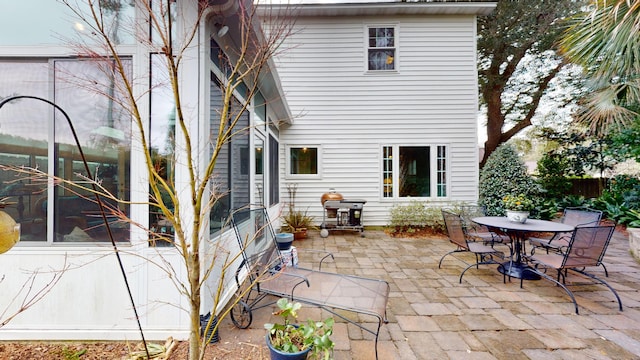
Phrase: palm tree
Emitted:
{"points": [[605, 40]]}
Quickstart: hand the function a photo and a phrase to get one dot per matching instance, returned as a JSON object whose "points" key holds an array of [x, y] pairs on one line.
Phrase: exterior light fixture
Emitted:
{"points": [[222, 30]]}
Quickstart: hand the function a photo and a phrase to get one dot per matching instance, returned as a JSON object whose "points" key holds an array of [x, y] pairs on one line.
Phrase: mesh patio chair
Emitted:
{"points": [[586, 248], [484, 254], [571, 216], [480, 232]]}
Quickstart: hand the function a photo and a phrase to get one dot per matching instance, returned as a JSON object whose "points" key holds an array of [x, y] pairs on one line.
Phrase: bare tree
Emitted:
{"points": [[185, 206], [32, 291]]}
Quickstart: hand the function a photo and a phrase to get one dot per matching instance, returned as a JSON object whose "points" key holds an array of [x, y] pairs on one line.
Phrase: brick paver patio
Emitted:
{"points": [[432, 316]]}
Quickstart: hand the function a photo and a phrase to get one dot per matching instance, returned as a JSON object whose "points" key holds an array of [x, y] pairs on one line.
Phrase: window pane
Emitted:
{"points": [[24, 129], [387, 171], [168, 8], [162, 142], [415, 171], [381, 59], [38, 22], [88, 93], [27, 197], [274, 171], [240, 160], [304, 161], [221, 181], [381, 37], [442, 171], [259, 170], [230, 183], [384, 37]]}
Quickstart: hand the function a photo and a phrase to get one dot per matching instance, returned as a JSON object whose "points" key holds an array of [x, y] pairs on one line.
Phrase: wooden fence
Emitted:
{"points": [[589, 188]]}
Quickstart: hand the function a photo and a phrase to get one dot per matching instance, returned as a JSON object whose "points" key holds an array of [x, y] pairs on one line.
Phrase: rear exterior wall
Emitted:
{"points": [[350, 113]]}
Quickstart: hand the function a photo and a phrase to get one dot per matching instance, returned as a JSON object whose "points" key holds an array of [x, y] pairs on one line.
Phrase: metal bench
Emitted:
{"points": [[263, 273]]}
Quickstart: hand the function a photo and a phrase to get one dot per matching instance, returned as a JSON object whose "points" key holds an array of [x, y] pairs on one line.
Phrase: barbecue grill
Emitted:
{"points": [[342, 214]]}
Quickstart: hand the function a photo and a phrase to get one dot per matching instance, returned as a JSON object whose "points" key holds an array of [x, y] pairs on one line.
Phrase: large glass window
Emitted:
{"points": [[162, 143], [39, 137], [38, 22], [415, 171], [381, 52], [419, 171], [231, 178]]}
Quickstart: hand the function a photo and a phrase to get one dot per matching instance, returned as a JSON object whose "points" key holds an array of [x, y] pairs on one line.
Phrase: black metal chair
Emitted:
{"points": [[558, 242], [481, 232], [586, 248], [483, 253]]}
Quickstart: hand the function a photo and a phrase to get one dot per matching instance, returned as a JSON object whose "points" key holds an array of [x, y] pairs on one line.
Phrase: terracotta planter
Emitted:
{"points": [[300, 234]]}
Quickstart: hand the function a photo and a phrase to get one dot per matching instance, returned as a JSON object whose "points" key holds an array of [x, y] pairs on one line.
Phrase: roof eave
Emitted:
{"points": [[386, 8]]}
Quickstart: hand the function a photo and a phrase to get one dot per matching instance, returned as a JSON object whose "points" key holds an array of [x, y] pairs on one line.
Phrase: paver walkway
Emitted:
{"points": [[432, 316]]}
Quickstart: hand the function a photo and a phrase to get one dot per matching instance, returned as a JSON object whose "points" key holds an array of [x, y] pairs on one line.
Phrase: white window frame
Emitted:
{"points": [[289, 175], [434, 171], [396, 47]]}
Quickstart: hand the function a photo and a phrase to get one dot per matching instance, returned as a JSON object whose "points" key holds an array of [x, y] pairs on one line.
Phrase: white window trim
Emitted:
{"points": [[433, 159], [289, 175], [396, 33]]}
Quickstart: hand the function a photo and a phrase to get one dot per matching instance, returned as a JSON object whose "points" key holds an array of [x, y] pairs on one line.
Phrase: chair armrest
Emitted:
{"points": [[325, 256]]}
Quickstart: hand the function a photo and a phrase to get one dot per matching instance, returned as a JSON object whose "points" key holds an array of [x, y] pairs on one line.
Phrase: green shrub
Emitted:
{"points": [[416, 215], [551, 174], [624, 183], [621, 201], [572, 201], [504, 173], [547, 209]]}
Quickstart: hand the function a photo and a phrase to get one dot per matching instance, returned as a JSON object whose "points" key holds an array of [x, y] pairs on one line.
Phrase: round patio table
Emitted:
{"points": [[518, 233]]}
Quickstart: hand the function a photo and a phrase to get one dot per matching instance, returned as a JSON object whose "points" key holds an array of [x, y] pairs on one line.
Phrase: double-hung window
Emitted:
{"points": [[381, 48], [414, 171]]}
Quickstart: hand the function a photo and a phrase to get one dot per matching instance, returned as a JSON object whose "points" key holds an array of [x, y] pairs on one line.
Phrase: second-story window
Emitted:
{"points": [[381, 51]]}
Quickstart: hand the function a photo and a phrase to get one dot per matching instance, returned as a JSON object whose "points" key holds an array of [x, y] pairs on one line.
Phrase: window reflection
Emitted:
{"points": [[259, 170], [38, 22], [162, 143], [415, 171], [230, 182], [33, 134]]}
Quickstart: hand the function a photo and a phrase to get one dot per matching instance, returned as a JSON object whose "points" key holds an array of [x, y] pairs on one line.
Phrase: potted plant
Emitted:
{"points": [[296, 221], [517, 207], [297, 341]]}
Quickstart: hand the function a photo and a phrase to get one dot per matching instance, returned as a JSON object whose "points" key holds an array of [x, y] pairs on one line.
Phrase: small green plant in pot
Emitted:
{"points": [[296, 221], [517, 207], [297, 341]]}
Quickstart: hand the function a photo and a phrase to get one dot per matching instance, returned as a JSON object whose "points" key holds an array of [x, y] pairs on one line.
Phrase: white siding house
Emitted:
{"points": [[421, 104], [382, 94]]}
